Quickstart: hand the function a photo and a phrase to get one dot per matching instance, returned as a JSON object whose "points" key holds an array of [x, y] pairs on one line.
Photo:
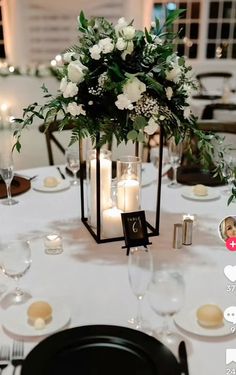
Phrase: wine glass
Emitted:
{"points": [[228, 173], [6, 171], [140, 266], [175, 154], [15, 261], [166, 297], [73, 163]]}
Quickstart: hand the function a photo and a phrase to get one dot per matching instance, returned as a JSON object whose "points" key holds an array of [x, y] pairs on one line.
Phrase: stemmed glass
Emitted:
{"points": [[229, 173], [7, 173], [175, 154], [140, 267], [73, 163], [166, 297], [15, 261]]}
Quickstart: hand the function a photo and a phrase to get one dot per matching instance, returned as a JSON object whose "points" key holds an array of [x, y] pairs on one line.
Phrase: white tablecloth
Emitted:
{"points": [[91, 279]]}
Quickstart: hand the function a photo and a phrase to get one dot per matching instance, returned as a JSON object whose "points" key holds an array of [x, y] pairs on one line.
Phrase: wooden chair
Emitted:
{"points": [[218, 127], [208, 112], [202, 76]]}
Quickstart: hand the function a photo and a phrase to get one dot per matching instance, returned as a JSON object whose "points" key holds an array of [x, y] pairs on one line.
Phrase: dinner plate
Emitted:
{"points": [[100, 350], [63, 185], [15, 319], [212, 194], [187, 320]]}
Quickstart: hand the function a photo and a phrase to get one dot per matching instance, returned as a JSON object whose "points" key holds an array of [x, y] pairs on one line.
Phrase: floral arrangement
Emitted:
{"points": [[123, 83], [40, 70]]}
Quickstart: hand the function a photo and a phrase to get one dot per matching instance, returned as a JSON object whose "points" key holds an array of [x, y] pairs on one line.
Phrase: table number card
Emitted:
{"points": [[135, 229]]}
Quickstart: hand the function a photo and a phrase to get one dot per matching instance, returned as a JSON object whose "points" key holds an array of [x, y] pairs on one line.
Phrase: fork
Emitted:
{"points": [[4, 357], [17, 356]]}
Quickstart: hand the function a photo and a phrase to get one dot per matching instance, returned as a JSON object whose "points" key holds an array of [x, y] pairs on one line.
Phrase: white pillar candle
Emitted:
{"points": [[128, 195], [53, 244], [111, 223], [105, 188]]}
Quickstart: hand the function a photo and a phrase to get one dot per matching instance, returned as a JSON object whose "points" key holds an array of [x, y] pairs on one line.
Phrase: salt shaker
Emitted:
{"points": [[187, 231], [178, 236]]}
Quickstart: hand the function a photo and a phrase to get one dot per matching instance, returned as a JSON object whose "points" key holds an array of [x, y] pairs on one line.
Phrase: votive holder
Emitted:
{"points": [[53, 244]]}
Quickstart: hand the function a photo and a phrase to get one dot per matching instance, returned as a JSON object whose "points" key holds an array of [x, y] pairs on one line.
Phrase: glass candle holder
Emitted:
{"points": [[128, 183], [105, 183], [53, 244]]}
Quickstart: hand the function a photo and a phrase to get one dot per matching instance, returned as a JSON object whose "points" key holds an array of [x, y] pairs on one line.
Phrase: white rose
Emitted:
{"points": [[70, 90], [63, 84], [106, 45], [75, 110], [67, 57], [173, 74], [76, 71], [95, 52], [120, 25], [121, 44], [129, 49], [128, 32], [133, 89], [152, 126], [123, 102], [169, 92]]}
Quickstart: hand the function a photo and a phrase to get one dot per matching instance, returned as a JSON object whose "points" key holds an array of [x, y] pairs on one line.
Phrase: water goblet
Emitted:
{"points": [[140, 266], [15, 261], [175, 154], [73, 163], [228, 173], [166, 297], [7, 174]]}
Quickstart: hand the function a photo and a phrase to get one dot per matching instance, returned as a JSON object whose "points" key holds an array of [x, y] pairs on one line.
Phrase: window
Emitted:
{"points": [[2, 49], [187, 26], [208, 28]]}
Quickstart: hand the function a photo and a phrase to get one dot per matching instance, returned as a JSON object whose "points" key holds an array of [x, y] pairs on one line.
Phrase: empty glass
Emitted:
{"points": [[140, 266], [166, 297], [175, 154], [7, 174], [15, 261], [73, 162], [228, 173]]}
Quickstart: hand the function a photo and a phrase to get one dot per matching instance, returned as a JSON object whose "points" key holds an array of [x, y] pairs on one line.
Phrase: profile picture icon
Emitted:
{"points": [[227, 228]]}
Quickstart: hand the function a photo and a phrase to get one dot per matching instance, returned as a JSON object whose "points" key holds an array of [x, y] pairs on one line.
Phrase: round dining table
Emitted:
{"points": [[91, 280]]}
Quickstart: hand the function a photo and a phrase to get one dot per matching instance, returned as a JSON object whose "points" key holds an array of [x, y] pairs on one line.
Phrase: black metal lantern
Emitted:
{"points": [[153, 230]]}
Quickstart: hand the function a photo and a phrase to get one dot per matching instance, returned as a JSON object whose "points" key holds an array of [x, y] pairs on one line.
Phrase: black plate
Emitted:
{"points": [[100, 350]]}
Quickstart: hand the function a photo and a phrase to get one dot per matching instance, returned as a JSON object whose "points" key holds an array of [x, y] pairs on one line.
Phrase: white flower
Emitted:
{"points": [[70, 90], [106, 45], [173, 74], [67, 57], [76, 71], [153, 24], [161, 118], [95, 52], [123, 102], [120, 25], [63, 84], [133, 89], [121, 44], [158, 40], [128, 32], [187, 112], [75, 110], [152, 126], [129, 49], [169, 92]]}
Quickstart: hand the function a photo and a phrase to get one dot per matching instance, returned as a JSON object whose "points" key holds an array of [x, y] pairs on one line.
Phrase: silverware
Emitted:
{"points": [[33, 177], [62, 174], [17, 356], [183, 358], [4, 357]]}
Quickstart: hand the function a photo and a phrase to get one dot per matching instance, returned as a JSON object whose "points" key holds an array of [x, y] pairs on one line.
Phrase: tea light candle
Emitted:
{"points": [[128, 193], [53, 244], [111, 223]]}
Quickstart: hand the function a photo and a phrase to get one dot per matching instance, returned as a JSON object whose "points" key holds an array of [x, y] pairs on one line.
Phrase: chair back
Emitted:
{"points": [[208, 112], [222, 77]]}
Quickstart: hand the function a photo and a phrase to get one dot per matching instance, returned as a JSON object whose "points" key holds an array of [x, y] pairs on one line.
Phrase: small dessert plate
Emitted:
{"points": [[62, 185], [213, 194], [187, 320], [15, 319]]}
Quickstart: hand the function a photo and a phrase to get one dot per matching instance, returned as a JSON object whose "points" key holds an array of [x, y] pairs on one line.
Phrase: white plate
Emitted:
{"points": [[212, 194], [15, 319], [149, 175], [63, 185], [187, 320]]}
